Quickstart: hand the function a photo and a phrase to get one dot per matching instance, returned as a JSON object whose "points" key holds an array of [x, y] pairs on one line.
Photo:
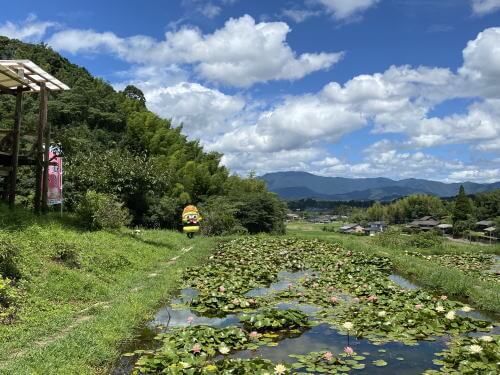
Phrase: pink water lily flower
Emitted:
{"points": [[334, 300], [190, 319], [444, 298], [290, 286], [418, 306], [331, 288], [348, 350], [196, 349], [222, 289], [235, 301], [254, 335], [328, 356], [372, 298]]}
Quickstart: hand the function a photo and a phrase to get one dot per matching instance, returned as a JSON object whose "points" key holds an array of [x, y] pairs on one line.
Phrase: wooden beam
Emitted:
{"points": [[46, 163], [16, 132], [42, 121]]}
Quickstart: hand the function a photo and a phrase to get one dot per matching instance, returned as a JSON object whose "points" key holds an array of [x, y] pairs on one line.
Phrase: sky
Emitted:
{"points": [[350, 88]]}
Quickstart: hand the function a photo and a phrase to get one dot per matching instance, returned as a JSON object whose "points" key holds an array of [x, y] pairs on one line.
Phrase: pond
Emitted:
{"points": [[330, 292]]}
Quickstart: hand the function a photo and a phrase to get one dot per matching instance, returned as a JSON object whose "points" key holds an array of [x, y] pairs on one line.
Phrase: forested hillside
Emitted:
{"points": [[113, 145]]}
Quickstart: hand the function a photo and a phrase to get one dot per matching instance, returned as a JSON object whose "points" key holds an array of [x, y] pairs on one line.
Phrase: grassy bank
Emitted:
{"points": [[446, 280], [84, 293]]}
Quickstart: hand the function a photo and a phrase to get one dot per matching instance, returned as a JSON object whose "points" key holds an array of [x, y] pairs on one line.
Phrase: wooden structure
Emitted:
{"points": [[16, 78]]}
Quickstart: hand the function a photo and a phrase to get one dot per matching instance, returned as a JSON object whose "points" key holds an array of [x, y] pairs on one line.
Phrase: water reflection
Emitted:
{"points": [[401, 358], [285, 280], [402, 282]]}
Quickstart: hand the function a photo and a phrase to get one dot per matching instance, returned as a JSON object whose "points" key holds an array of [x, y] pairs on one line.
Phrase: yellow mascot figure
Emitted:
{"points": [[191, 220]]}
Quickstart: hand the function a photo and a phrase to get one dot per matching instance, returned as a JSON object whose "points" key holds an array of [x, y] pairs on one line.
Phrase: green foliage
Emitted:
{"points": [[394, 237], [163, 213], [462, 206], [326, 362], [219, 217], [193, 350], [9, 297], [470, 355], [67, 254], [8, 255], [275, 320], [113, 145], [101, 211]]}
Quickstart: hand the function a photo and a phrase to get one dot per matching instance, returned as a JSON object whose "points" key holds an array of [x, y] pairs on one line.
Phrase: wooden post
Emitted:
{"points": [[16, 134], [46, 161], [42, 121]]}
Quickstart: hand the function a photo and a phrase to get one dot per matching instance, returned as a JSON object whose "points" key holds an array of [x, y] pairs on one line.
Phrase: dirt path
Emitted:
{"points": [[81, 316]]}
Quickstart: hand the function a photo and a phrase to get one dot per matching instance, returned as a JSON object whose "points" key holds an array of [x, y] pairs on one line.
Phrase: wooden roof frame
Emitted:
{"points": [[28, 75]]}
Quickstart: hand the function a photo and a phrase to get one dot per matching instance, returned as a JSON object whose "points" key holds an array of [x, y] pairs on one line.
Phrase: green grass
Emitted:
{"points": [[445, 280], [75, 320]]}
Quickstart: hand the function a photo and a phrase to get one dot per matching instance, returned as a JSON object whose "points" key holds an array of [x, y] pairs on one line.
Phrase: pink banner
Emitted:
{"points": [[55, 180]]}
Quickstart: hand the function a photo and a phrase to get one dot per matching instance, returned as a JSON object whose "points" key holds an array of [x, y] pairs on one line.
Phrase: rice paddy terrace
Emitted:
{"points": [[295, 306]]}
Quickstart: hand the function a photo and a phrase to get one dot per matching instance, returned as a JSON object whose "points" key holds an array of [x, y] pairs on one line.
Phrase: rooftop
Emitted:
{"points": [[28, 75]]}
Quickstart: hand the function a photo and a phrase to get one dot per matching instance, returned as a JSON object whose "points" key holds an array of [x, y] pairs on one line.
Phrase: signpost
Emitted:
{"points": [[55, 187]]}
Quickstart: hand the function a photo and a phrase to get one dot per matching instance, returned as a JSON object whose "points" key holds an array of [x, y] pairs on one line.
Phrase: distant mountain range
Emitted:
{"points": [[300, 185]]}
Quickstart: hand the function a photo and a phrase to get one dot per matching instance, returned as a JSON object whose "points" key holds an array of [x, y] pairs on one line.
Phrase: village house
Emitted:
{"points": [[375, 227], [424, 223], [483, 224], [352, 228]]}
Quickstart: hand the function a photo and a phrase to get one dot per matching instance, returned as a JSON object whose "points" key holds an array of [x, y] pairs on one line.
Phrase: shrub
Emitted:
{"points": [[67, 254], [8, 299], [8, 255], [219, 218], [395, 238], [101, 211], [164, 213], [425, 240]]}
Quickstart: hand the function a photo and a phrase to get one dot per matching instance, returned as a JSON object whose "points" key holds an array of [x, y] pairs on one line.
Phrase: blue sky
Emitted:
{"points": [[356, 88]]}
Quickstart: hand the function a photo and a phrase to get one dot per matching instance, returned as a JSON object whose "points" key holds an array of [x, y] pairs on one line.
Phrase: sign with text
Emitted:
{"points": [[55, 180]]}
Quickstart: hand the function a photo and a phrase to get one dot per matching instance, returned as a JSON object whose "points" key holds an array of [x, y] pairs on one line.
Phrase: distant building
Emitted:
{"points": [[375, 227], [482, 225], [352, 228], [490, 231], [292, 217], [445, 228], [424, 223]]}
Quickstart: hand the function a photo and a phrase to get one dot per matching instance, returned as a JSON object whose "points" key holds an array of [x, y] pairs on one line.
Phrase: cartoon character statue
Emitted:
{"points": [[191, 220]]}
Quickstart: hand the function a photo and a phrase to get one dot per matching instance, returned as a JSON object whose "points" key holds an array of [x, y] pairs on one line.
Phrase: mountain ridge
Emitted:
{"points": [[301, 185]]}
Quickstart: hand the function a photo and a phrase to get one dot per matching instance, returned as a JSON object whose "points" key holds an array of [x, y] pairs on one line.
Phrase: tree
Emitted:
{"points": [[134, 93], [463, 207]]}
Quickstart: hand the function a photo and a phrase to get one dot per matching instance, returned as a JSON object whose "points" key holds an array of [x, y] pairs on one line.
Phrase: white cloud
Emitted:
{"points": [[481, 67], [204, 112], [29, 30], [241, 53], [343, 9], [300, 15], [298, 122], [476, 175], [482, 7]]}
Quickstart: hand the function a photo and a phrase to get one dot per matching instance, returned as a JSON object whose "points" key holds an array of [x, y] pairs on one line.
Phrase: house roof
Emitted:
{"points": [[429, 222], [349, 226], [445, 226], [485, 223], [28, 75]]}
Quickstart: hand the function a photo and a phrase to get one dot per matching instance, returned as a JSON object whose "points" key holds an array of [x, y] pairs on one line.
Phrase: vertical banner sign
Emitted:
{"points": [[55, 179]]}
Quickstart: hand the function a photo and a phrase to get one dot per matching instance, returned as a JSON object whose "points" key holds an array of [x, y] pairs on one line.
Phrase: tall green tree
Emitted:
{"points": [[463, 207]]}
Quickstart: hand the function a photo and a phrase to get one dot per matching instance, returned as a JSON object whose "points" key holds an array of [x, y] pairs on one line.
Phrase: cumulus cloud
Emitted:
{"points": [[482, 7], [29, 30], [343, 9], [300, 15], [241, 53], [204, 112]]}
